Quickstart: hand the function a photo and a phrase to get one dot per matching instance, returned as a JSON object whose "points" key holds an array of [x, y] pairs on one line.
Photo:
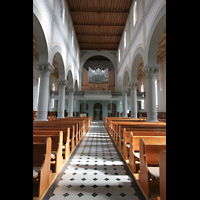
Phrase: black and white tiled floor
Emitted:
{"points": [[96, 172]]}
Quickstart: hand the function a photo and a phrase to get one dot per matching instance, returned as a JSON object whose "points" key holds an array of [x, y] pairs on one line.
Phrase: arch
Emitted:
{"points": [[40, 36], [119, 85], [76, 85], [83, 107], [90, 54], [70, 79], [126, 76], [112, 108], [139, 53], [155, 34], [57, 52]]}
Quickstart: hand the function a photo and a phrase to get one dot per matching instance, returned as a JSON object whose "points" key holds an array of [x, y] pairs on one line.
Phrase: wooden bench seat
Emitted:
{"points": [[137, 131], [67, 142], [149, 163], [56, 148], [159, 136], [162, 168], [73, 133], [41, 160], [134, 147]]}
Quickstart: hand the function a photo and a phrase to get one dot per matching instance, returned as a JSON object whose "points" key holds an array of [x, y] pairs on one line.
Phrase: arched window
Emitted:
{"points": [[156, 93], [72, 38], [142, 88], [63, 11], [142, 102], [53, 87], [52, 100], [135, 13], [125, 40], [38, 90]]}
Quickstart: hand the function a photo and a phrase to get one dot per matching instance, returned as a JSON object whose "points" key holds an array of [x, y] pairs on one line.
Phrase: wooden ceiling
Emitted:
{"points": [[99, 24]]}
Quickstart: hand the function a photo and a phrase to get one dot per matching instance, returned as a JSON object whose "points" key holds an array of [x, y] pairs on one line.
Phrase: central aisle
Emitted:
{"points": [[95, 171]]}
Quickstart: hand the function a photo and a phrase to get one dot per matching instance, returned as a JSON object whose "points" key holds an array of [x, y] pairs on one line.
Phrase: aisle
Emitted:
{"points": [[95, 171]]}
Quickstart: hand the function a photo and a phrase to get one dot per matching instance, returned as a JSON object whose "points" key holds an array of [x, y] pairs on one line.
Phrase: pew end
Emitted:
{"points": [[44, 174]]}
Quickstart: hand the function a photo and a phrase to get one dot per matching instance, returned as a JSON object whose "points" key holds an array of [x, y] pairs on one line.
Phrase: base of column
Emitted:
{"points": [[60, 117], [41, 116], [151, 120], [41, 120], [152, 117]]}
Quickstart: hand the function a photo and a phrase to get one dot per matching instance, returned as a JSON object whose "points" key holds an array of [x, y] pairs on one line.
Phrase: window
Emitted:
{"points": [[142, 101], [119, 55], [63, 11], [52, 103], [38, 90], [156, 93], [142, 104], [53, 87], [72, 38], [125, 40], [135, 13], [77, 55], [142, 88]]}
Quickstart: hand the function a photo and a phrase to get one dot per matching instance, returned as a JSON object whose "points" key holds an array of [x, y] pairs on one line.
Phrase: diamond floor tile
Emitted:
{"points": [[95, 171]]}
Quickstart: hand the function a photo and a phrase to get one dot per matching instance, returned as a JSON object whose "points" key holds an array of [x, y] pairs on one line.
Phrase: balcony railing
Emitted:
{"points": [[98, 92]]}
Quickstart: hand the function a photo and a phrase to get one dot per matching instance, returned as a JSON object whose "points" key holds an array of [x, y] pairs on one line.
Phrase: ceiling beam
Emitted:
{"points": [[99, 25], [97, 43], [99, 12], [97, 35]]}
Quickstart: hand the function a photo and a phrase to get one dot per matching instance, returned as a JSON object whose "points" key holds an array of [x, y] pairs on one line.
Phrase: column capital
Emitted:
{"points": [[71, 90], [45, 68], [62, 82], [124, 91], [150, 70], [133, 84]]}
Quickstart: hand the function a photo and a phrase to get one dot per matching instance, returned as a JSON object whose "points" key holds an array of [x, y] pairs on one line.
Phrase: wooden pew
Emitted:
{"points": [[118, 126], [137, 134], [59, 126], [162, 168], [66, 139], [149, 163], [41, 160], [68, 134], [119, 134], [56, 148], [134, 145]]}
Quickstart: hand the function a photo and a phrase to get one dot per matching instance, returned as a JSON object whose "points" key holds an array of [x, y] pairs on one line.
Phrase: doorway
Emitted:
{"points": [[97, 114], [112, 110]]}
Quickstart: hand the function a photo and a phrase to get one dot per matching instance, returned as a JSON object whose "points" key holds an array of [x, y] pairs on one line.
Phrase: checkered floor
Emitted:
{"points": [[95, 171]]}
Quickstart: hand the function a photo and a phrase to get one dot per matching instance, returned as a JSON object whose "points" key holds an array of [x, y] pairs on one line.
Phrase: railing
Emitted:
{"points": [[98, 92]]}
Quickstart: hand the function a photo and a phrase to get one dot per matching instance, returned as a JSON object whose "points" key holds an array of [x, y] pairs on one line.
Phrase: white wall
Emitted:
{"points": [[57, 34]]}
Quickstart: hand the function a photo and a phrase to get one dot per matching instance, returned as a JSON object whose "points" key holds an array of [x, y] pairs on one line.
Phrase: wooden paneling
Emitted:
{"points": [[99, 24]]}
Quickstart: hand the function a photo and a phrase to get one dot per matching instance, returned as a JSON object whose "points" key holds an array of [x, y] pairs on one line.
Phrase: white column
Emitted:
{"points": [[150, 72], [45, 70], [133, 86], [124, 93], [71, 101], [61, 101]]}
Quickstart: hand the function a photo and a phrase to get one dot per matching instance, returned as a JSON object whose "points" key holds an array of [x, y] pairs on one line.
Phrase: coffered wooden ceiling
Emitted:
{"points": [[99, 24]]}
